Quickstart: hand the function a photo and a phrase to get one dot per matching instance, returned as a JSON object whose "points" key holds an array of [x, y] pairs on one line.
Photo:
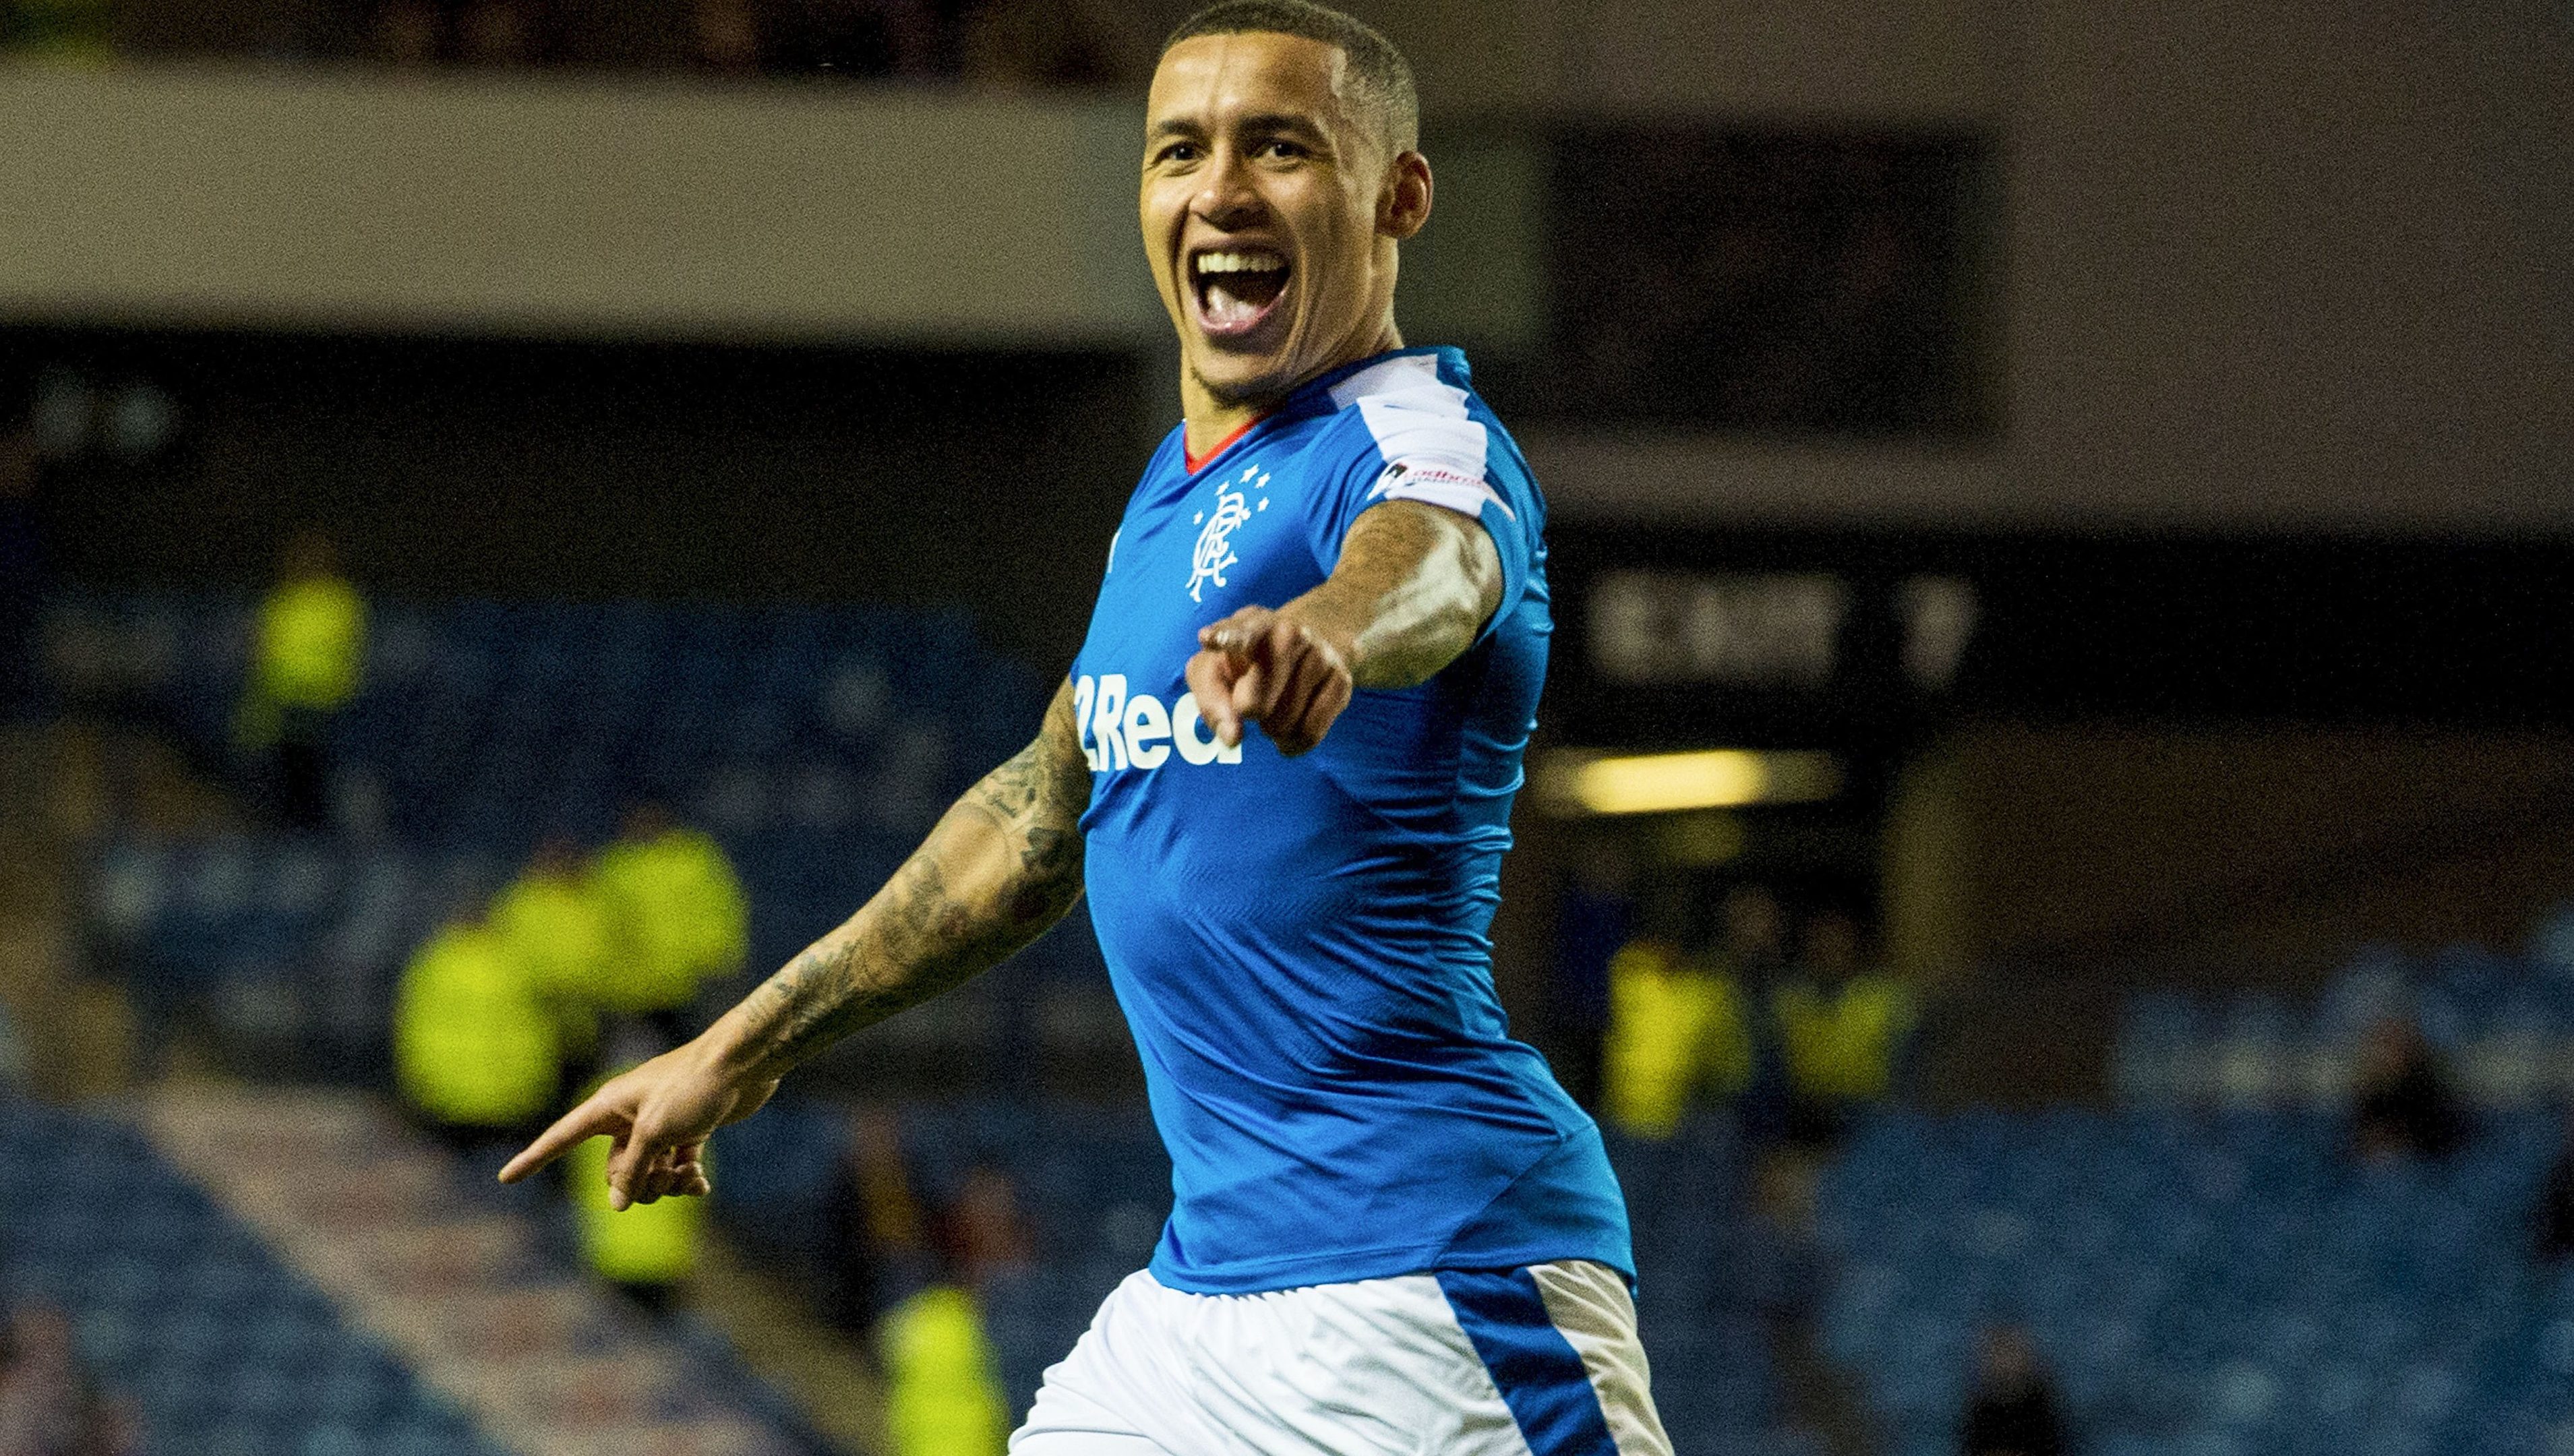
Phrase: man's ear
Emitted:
{"points": [[1407, 197]]}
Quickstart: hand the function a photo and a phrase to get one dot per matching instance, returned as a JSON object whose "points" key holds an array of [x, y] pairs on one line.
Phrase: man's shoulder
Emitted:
{"points": [[1400, 411]]}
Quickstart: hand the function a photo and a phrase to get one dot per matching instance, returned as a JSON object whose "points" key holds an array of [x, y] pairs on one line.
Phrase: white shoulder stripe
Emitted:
{"points": [[1403, 374], [1434, 451]]}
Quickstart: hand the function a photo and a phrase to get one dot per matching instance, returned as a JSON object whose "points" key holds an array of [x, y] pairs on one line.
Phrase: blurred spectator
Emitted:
{"points": [[678, 914], [1842, 1030], [1753, 946], [985, 1232], [942, 1396], [555, 922], [477, 1051], [880, 1249], [22, 572], [2014, 1410], [48, 1404], [2556, 1202], [2404, 1105], [1678, 1028], [1596, 917], [67, 32], [647, 1251], [308, 649]]}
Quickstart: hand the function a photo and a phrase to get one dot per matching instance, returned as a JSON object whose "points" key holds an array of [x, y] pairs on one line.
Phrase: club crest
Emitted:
{"points": [[1233, 506]]}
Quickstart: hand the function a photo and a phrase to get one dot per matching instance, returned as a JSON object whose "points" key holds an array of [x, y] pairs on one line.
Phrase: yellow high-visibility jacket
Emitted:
{"points": [[473, 1043], [1841, 1045], [311, 642], [1675, 1030], [648, 1243], [941, 1395], [679, 915]]}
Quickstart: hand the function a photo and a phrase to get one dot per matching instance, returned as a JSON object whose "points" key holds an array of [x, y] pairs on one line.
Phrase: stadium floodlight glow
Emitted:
{"points": [[1578, 781]]}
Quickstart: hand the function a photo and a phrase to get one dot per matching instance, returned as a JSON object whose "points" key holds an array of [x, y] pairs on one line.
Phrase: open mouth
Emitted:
{"points": [[1236, 288]]}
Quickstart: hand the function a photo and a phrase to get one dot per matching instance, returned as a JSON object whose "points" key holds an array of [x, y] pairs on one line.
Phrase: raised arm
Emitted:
{"points": [[1001, 865], [1414, 586]]}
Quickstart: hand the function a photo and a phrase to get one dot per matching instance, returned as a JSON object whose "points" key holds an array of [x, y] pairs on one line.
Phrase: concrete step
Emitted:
{"points": [[376, 1217]]}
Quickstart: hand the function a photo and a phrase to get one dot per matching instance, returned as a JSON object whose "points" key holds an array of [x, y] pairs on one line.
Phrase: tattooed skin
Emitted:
{"points": [[1003, 863]]}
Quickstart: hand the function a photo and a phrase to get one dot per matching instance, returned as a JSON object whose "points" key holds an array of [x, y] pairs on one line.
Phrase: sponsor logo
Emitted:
{"points": [[1234, 505], [1122, 729], [1439, 485]]}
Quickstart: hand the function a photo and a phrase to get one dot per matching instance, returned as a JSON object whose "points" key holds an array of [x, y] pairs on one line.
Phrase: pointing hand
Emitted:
{"points": [[1260, 665], [660, 1115]]}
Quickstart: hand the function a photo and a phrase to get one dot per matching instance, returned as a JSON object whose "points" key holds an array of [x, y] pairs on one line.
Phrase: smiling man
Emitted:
{"points": [[1282, 767]]}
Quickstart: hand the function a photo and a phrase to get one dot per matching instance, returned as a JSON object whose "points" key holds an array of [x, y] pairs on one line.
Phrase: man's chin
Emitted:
{"points": [[1235, 383]]}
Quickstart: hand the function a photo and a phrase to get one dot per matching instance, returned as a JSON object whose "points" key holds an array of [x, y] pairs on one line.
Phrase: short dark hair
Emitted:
{"points": [[1379, 73]]}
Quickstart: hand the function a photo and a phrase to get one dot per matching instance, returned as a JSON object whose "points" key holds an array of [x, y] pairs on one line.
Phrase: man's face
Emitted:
{"points": [[1270, 212]]}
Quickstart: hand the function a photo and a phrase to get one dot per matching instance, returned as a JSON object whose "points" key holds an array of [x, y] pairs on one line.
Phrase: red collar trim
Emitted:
{"points": [[1198, 461]]}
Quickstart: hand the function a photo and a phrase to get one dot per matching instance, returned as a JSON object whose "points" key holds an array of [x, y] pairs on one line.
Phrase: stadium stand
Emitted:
{"points": [[478, 1289], [2504, 1024], [188, 1317], [816, 743], [2204, 1285]]}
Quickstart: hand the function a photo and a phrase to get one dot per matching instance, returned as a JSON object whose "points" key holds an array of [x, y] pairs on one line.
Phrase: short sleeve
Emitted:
{"points": [[1422, 444]]}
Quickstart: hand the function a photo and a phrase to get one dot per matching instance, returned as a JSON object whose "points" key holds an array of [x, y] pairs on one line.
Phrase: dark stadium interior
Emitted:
{"points": [[2047, 845]]}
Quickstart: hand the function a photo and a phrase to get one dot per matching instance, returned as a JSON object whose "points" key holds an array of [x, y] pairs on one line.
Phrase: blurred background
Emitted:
{"points": [[2049, 847]]}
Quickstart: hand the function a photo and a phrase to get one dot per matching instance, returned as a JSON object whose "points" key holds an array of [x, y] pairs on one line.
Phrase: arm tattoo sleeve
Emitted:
{"points": [[1003, 863]]}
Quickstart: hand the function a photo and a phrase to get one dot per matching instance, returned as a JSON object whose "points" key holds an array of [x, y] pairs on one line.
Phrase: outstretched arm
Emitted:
{"points": [[1414, 586], [1001, 865]]}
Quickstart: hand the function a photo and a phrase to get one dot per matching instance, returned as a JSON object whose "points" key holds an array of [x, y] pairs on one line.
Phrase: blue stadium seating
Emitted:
{"points": [[2504, 1024], [2226, 1284], [185, 1316], [817, 743]]}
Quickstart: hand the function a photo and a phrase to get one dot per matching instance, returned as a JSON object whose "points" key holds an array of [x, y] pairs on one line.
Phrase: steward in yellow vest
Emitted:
{"points": [[677, 912], [307, 650], [942, 1397], [309, 644], [555, 922], [1841, 1031], [1676, 1030], [648, 1250], [475, 1045]]}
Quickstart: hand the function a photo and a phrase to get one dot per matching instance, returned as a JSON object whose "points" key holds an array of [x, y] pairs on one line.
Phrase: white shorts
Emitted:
{"points": [[1541, 1361]]}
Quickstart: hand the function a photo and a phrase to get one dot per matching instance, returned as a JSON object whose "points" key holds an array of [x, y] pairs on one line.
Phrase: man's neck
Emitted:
{"points": [[1212, 420]]}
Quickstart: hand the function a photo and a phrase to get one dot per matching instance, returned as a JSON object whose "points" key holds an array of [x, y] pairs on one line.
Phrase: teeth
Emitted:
{"points": [[1249, 262]]}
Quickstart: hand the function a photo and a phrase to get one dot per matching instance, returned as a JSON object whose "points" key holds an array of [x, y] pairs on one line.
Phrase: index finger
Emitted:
{"points": [[590, 1119]]}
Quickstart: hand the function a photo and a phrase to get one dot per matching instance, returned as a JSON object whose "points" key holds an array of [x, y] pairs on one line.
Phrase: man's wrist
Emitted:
{"points": [[735, 1050], [1338, 641]]}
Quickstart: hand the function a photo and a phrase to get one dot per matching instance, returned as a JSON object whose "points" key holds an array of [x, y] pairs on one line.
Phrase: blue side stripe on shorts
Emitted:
{"points": [[1535, 1369]]}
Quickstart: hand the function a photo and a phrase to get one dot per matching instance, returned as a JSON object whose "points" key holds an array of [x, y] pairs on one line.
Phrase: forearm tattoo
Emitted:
{"points": [[1001, 865]]}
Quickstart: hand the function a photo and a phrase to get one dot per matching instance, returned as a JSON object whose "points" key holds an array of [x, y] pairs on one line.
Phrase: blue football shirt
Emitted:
{"points": [[1300, 943]]}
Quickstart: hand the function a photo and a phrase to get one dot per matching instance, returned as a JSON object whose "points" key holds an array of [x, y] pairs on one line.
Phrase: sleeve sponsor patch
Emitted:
{"points": [[1435, 484]]}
